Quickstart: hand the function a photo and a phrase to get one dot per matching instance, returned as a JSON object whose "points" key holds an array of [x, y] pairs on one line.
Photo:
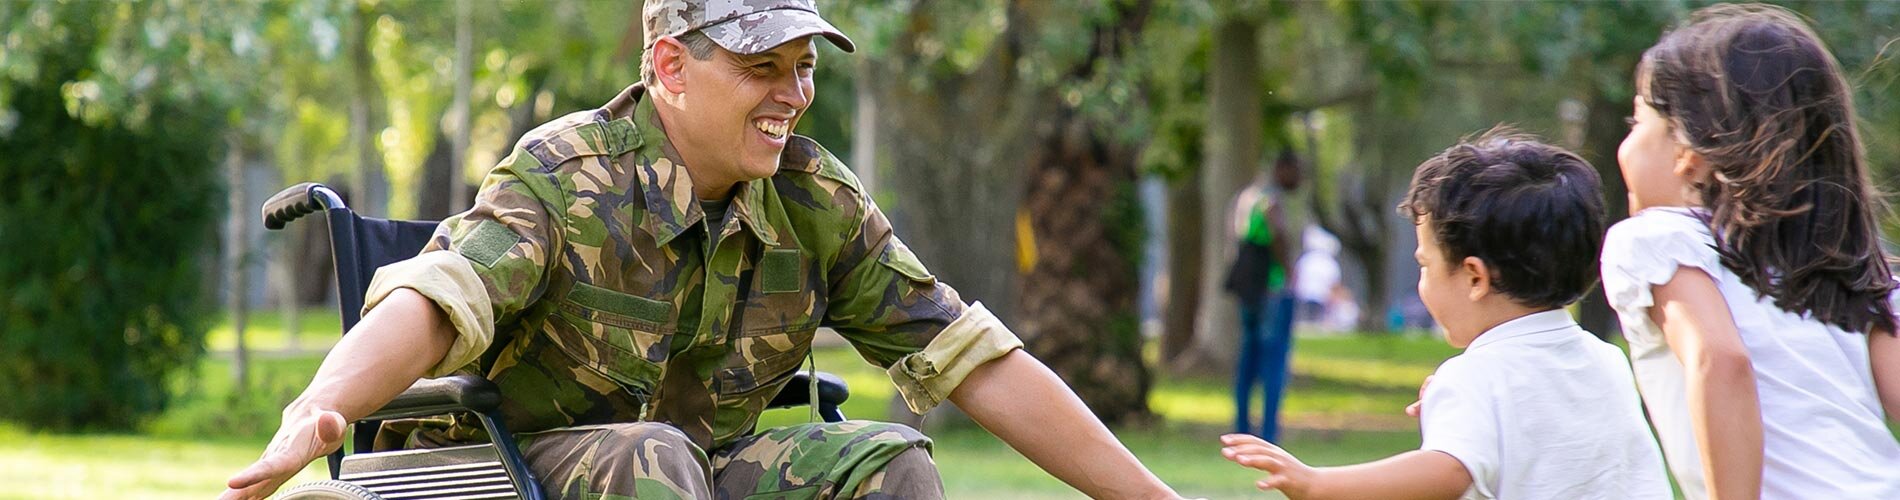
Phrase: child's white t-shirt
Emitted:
{"points": [[1537, 407], [1822, 429]]}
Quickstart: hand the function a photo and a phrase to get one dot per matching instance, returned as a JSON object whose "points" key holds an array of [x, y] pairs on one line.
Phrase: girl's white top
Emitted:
{"points": [[1823, 433]]}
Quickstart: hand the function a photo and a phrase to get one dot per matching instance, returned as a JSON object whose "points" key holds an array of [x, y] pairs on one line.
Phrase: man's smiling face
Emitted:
{"points": [[743, 108]]}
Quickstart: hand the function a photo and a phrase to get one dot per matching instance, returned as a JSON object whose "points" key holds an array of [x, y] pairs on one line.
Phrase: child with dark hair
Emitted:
{"points": [[1535, 407], [1749, 279]]}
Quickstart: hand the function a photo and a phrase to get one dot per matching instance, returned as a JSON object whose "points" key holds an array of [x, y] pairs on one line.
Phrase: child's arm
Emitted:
{"points": [[1883, 350], [1723, 407], [1416, 474]]}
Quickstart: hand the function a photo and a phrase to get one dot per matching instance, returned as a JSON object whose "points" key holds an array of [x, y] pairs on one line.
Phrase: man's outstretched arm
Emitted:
{"points": [[390, 349], [1019, 400]]}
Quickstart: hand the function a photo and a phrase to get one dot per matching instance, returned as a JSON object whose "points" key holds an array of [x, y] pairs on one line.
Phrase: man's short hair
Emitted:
{"points": [[1531, 211], [697, 45]]}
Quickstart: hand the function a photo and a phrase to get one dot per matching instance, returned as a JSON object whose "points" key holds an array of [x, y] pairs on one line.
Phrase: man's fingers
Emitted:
{"points": [[260, 479], [259, 471], [258, 491]]}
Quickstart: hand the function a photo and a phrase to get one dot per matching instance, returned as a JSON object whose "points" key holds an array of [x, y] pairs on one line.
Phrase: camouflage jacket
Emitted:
{"points": [[587, 284]]}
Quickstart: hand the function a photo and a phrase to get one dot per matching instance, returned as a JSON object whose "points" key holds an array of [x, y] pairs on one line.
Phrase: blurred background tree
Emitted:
{"points": [[109, 196]]}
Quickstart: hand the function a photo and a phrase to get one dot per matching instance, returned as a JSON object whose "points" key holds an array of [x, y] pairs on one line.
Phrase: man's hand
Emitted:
{"points": [[1289, 475], [1418, 407], [394, 345], [301, 439]]}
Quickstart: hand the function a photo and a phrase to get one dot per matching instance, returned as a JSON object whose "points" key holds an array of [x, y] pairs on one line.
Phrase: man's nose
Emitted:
{"points": [[791, 92]]}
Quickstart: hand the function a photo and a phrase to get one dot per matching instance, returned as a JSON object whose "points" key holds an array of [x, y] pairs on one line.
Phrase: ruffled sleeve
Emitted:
{"points": [[1647, 249]]}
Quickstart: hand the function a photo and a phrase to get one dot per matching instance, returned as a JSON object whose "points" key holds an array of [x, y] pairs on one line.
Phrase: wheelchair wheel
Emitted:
{"points": [[329, 490]]}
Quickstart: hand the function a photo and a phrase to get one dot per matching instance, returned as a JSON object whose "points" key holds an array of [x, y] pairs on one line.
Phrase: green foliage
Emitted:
{"points": [[108, 200]]}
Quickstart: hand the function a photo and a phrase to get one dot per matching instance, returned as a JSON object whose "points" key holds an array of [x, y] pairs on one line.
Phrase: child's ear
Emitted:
{"points": [[1479, 277], [1691, 166]]}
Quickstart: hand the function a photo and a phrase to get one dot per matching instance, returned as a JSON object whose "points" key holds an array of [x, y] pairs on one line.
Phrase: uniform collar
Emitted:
{"points": [[671, 205], [1554, 320]]}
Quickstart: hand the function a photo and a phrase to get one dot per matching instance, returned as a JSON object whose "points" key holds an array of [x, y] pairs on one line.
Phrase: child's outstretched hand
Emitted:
{"points": [[1292, 477]]}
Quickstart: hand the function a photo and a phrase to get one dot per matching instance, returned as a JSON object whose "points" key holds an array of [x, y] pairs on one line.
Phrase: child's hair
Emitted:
{"points": [[1531, 211], [1756, 94]]}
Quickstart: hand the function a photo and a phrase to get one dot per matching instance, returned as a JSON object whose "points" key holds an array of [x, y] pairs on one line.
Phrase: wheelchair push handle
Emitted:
{"points": [[297, 201]]}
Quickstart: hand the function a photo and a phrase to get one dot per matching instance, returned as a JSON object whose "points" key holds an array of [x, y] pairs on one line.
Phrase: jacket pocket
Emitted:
{"points": [[623, 336], [743, 391]]}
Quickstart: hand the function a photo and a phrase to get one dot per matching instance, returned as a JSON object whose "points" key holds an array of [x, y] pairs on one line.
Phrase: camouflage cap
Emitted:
{"points": [[741, 26]]}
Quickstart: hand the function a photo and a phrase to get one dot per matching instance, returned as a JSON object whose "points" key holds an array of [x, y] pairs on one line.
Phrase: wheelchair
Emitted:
{"points": [[361, 245]]}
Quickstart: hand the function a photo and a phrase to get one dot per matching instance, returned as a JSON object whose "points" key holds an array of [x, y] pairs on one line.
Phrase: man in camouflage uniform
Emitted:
{"points": [[641, 279]]}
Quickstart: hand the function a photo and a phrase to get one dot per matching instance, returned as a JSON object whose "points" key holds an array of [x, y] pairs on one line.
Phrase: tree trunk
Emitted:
{"points": [[1367, 204], [864, 127], [964, 146], [1078, 297], [1603, 134], [1369, 253], [235, 250], [960, 184], [1357, 209], [372, 185], [1233, 145], [434, 198], [459, 194], [284, 285], [1184, 268]]}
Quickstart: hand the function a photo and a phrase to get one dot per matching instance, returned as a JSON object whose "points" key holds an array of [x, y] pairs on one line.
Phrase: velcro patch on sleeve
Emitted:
{"points": [[488, 243], [778, 271]]}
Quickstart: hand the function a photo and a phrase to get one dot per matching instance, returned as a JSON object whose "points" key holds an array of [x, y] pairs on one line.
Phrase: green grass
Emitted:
{"points": [[123, 466], [1344, 406], [264, 331]]}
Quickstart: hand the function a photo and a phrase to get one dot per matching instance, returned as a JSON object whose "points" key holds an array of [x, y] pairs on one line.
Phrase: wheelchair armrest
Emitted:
{"points": [[832, 391], [435, 396]]}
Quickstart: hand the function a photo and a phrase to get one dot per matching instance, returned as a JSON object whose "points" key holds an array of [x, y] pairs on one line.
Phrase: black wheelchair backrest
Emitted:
{"points": [[361, 244]]}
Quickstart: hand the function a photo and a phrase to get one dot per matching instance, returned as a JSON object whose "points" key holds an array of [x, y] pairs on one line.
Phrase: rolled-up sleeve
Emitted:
{"points": [[899, 317], [926, 377], [484, 266]]}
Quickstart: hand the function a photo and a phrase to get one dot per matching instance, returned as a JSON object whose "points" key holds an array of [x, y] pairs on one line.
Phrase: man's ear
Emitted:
{"points": [[1479, 276], [669, 64]]}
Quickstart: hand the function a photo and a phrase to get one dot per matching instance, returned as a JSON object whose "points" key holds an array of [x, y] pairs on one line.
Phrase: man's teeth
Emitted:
{"points": [[776, 129]]}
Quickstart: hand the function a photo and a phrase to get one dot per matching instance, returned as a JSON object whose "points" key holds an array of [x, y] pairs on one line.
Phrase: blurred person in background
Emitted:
{"points": [[1262, 280]]}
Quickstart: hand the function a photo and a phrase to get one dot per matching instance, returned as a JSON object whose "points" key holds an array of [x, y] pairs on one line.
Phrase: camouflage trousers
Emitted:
{"points": [[853, 459]]}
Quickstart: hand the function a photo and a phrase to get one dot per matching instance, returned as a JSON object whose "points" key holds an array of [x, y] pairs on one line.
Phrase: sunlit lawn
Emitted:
{"points": [[1344, 407]]}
